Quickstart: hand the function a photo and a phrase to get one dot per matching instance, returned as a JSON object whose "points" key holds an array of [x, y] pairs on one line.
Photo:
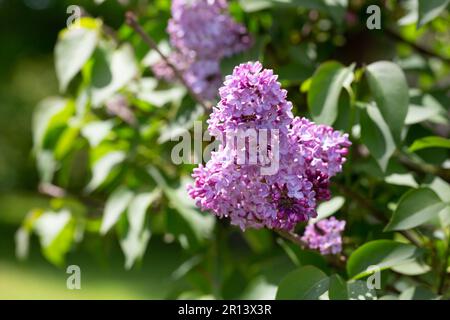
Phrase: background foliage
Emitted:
{"points": [[86, 173]]}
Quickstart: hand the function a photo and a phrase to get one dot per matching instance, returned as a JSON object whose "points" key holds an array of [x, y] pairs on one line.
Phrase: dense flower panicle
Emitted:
{"points": [[325, 236], [204, 28], [201, 33], [204, 77], [308, 156], [251, 98]]}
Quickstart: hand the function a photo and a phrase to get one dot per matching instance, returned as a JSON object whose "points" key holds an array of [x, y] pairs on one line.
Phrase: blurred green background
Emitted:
{"points": [[28, 35]]}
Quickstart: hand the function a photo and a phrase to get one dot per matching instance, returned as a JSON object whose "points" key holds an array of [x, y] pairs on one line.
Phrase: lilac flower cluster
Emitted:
{"points": [[308, 156], [325, 236], [202, 33]]}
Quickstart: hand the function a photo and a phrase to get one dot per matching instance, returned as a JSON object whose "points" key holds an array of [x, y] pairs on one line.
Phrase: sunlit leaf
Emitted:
{"points": [[96, 131], [327, 208], [430, 142], [415, 208], [74, 47], [388, 85], [56, 233], [102, 168], [326, 86], [430, 9], [402, 179], [381, 253], [116, 204], [111, 72]]}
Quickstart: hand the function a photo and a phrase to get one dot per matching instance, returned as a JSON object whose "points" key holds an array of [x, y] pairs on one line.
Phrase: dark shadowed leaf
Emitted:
{"points": [[375, 134], [430, 9], [338, 288], [305, 283]]}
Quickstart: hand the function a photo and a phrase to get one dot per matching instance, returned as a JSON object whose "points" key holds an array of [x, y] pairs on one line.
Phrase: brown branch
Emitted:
{"points": [[292, 237], [132, 21], [422, 50], [424, 168], [336, 261]]}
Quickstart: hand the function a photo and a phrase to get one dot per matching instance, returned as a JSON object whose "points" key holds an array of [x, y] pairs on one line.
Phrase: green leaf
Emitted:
{"points": [[430, 142], [381, 253], [412, 269], [96, 131], [66, 142], [22, 242], [326, 86], [135, 242], [75, 46], [305, 283], [402, 179], [418, 293], [134, 246], [327, 208], [358, 290], [388, 85], [111, 72], [160, 98], [338, 288], [202, 225], [102, 168], [56, 232], [430, 9], [116, 204], [417, 114], [181, 123], [415, 208], [49, 113], [46, 165], [138, 207], [376, 136]]}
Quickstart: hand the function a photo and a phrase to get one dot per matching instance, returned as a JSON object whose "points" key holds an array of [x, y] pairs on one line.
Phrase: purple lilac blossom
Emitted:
{"points": [[204, 28], [201, 33], [325, 236], [310, 155]]}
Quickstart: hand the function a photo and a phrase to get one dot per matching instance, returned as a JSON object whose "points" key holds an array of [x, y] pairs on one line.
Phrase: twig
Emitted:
{"points": [[424, 51], [424, 168], [54, 191], [133, 23], [362, 201], [106, 29]]}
